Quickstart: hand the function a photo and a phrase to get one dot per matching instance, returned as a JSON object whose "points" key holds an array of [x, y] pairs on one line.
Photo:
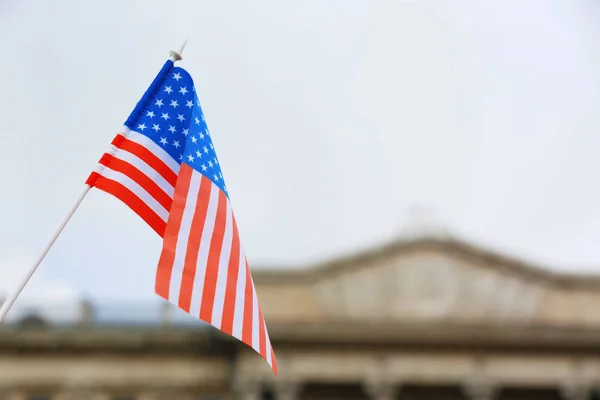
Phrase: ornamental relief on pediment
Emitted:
{"points": [[428, 287]]}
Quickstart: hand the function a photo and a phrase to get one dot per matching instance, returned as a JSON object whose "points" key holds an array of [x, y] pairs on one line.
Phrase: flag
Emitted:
{"points": [[164, 167]]}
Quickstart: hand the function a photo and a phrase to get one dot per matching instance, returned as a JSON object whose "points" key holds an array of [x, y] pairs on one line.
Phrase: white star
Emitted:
{"points": [[207, 132], [186, 131], [189, 104], [210, 164], [220, 175], [176, 144], [168, 89], [194, 140], [171, 129], [180, 117], [202, 114], [174, 103], [180, 157], [150, 114], [141, 127], [190, 157], [215, 160], [159, 103], [203, 167], [201, 135], [198, 154], [211, 146], [205, 149], [183, 90], [165, 116], [176, 76], [163, 140], [216, 178], [155, 127], [225, 188], [197, 121]]}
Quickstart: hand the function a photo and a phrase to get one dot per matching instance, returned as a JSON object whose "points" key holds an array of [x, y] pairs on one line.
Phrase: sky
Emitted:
{"points": [[334, 121]]}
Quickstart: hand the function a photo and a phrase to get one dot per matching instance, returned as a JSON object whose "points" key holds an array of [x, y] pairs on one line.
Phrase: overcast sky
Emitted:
{"points": [[332, 118]]}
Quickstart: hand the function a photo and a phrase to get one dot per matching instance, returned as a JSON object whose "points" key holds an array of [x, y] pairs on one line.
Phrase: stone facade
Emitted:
{"points": [[427, 318]]}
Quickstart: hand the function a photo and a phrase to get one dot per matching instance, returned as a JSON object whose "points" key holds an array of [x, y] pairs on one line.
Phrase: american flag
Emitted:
{"points": [[164, 167]]}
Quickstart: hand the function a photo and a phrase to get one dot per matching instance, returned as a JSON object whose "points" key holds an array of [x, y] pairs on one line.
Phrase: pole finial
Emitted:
{"points": [[176, 55]]}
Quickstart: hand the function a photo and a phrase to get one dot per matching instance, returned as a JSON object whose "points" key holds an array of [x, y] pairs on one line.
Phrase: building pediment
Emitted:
{"points": [[429, 280], [425, 285]]}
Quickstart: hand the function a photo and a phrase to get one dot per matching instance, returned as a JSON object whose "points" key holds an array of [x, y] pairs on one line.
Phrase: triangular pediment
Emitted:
{"points": [[428, 280]]}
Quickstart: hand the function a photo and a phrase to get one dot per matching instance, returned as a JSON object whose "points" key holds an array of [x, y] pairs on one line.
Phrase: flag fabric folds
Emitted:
{"points": [[164, 167]]}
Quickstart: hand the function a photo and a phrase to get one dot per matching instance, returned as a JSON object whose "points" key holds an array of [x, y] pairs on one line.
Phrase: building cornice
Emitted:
{"points": [[446, 245], [204, 342]]}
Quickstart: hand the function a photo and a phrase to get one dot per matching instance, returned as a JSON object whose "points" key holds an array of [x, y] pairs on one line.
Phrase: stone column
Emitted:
{"points": [[381, 389], [576, 391], [286, 389], [83, 393], [248, 390], [480, 389], [7, 394], [152, 395], [165, 394]]}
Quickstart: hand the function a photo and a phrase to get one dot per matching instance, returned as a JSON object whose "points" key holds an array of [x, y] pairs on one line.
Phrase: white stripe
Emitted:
{"points": [[209, 225], [221, 285], [268, 341], [144, 168], [255, 320], [240, 295], [182, 238], [155, 149], [139, 191]]}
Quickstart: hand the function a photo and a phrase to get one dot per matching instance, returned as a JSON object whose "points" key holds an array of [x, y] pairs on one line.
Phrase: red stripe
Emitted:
{"points": [[149, 157], [193, 247], [143, 153], [248, 309], [149, 185], [232, 279], [92, 179], [273, 361], [167, 255], [130, 199], [262, 335], [214, 256]]}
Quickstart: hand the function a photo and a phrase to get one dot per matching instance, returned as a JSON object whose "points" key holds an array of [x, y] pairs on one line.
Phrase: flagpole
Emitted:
{"points": [[10, 301]]}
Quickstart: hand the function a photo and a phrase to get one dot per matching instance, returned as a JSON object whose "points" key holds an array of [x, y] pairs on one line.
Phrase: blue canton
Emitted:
{"points": [[171, 116]]}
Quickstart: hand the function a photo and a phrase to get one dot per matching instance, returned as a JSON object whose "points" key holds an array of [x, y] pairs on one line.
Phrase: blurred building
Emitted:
{"points": [[417, 319]]}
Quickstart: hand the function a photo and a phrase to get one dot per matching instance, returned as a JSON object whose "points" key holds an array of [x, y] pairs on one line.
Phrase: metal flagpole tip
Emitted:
{"points": [[176, 55]]}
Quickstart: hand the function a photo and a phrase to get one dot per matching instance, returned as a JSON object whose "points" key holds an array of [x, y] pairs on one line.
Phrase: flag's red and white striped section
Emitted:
{"points": [[203, 268], [140, 174]]}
